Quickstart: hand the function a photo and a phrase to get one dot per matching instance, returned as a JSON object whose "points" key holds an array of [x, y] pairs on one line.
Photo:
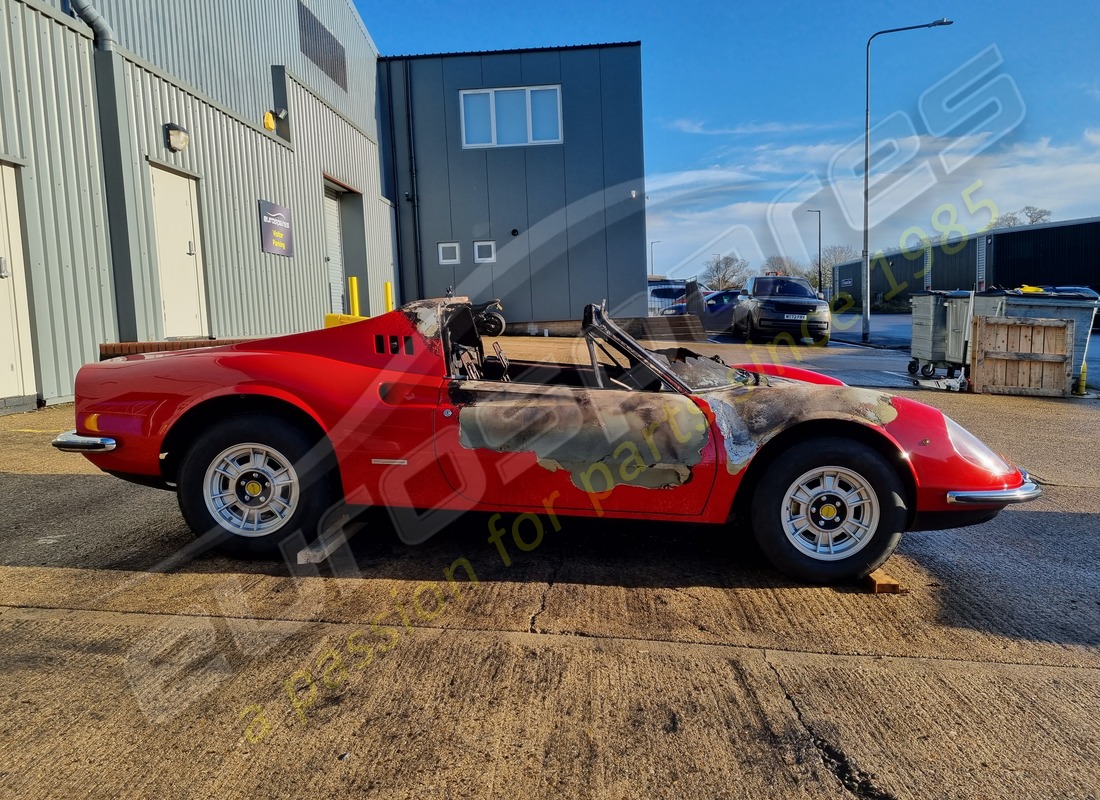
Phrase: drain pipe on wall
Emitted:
{"points": [[104, 34]]}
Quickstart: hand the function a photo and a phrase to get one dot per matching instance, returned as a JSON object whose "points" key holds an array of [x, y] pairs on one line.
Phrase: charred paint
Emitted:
{"points": [[703, 373], [747, 418], [602, 438]]}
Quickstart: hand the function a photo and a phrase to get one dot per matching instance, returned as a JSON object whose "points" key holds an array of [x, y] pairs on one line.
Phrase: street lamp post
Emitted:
{"points": [[817, 211], [656, 241], [867, 170]]}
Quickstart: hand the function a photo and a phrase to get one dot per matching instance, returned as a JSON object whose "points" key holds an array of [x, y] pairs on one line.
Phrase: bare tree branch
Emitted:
{"points": [[725, 272]]}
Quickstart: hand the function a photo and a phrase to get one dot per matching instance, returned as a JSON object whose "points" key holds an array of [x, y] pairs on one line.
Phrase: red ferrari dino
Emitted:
{"points": [[407, 410]]}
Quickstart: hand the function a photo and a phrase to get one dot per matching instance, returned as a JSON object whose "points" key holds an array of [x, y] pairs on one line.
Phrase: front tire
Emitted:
{"points": [[253, 482], [829, 510], [750, 330]]}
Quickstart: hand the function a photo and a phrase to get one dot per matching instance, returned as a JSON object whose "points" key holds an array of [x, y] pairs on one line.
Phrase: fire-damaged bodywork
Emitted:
{"points": [[412, 411]]}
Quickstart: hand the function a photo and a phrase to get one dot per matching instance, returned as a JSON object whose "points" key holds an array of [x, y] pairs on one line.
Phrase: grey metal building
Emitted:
{"points": [[1065, 253], [519, 175], [184, 170]]}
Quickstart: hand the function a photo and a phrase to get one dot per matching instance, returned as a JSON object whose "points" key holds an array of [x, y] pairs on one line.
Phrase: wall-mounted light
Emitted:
{"points": [[270, 117], [176, 137]]}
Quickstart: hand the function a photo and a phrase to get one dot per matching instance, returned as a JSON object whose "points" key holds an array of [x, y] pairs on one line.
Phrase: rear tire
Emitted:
{"points": [[829, 510], [252, 482], [490, 323]]}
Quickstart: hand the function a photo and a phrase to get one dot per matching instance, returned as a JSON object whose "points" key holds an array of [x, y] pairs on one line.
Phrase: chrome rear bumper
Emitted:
{"points": [[70, 442]]}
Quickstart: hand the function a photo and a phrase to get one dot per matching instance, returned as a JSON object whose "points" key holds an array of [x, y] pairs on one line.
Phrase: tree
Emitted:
{"points": [[1028, 215], [831, 255], [1036, 215], [784, 266], [725, 272]]}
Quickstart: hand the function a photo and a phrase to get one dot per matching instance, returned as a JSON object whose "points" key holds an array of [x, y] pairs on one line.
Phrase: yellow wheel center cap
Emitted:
{"points": [[828, 511], [253, 488]]}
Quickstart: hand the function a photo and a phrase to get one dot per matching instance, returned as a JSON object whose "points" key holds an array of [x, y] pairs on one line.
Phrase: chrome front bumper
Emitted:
{"points": [[70, 442], [1029, 490]]}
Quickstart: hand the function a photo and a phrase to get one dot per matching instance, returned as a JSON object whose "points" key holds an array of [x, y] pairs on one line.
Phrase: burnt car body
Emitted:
{"points": [[778, 305], [407, 410]]}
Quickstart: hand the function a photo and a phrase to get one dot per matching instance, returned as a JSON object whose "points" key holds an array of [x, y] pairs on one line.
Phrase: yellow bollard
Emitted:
{"points": [[1080, 390], [389, 295], [353, 295]]}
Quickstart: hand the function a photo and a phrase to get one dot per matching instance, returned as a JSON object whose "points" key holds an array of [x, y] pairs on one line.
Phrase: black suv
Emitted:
{"points": [[770, 304]]}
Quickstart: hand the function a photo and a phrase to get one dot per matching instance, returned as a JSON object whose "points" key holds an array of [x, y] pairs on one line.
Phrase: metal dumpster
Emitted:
{"points": [[959, 306], [929, 347]]}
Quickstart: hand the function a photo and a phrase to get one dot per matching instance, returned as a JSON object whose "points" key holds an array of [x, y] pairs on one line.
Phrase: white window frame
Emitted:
{"points": [[493, 116], [492, 255], [448, 262]]}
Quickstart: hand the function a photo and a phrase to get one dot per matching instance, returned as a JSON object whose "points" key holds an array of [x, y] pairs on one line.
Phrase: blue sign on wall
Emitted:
{"points": [[275, 233]]}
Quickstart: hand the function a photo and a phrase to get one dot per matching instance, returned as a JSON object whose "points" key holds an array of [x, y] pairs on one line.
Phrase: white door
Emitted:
{"points": [[334, 251], [16, 360], [179, 255]]}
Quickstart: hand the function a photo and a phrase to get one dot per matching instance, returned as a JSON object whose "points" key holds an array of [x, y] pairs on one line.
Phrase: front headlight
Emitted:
{"points": [[974, 449]]}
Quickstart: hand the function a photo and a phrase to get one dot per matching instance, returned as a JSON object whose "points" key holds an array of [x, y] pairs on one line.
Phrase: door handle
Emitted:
{"points": [[190, 248], [4, 268]]}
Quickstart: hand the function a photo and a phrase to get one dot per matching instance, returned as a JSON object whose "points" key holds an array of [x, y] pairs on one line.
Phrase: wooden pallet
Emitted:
{"points": [[1021, 355]]}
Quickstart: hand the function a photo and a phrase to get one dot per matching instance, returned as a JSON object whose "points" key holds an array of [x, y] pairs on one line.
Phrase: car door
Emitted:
{"points": [[602, 450], [720, 306], [741, 307]]}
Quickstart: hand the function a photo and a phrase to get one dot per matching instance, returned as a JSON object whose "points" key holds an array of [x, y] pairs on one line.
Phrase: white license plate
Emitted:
{"points": [[799, 317]]}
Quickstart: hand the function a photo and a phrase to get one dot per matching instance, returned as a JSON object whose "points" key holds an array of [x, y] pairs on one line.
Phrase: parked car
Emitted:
{"points": [[717, 309], [663, 293], [775, 304], [260, 439]]}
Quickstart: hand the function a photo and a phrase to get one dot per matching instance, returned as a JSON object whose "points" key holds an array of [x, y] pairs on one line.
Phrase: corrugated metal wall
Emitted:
{"points": [[225, 49], [348, 156], [250, 292], [52, 88], [1062, 255], [49, 129], [955, 267]]}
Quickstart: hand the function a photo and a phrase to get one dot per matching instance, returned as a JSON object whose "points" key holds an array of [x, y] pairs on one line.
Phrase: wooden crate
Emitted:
{"points": [[1022, 355]]}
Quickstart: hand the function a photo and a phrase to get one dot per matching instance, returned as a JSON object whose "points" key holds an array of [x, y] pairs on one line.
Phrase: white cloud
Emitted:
{"points": [[749, 128], [719, 176], [701, 212]]}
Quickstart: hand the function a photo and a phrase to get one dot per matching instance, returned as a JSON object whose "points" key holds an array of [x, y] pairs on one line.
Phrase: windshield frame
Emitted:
{"points": [[596, 322]]}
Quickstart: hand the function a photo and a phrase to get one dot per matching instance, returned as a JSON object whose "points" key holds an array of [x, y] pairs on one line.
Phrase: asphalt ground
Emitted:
{"points": [[612, 660]]}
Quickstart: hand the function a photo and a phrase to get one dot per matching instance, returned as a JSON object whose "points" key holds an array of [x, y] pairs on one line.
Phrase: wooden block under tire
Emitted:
{"points": [[878, 582]]}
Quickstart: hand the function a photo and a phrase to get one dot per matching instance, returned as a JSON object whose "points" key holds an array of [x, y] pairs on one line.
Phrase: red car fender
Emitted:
{"points": [[921, 432], [793, 373]]}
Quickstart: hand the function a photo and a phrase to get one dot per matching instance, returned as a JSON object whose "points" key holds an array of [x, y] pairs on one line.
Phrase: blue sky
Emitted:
{"points": [[753, 113]]}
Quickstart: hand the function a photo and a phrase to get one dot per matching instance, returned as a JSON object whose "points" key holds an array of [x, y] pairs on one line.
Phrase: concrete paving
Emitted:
{"points": [[614, 660]]}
